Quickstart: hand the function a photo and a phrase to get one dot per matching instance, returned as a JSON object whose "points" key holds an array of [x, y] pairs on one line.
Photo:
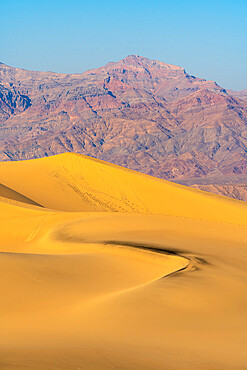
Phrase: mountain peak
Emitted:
{"points": [[141, 113], [146, 62]]}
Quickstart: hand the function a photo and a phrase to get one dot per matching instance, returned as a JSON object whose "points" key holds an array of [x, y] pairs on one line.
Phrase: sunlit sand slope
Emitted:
{"points": [[8, 193], [105, 268]]}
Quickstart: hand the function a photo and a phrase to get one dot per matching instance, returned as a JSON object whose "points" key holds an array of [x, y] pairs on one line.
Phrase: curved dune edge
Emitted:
{"points": [[10, 194], [116, 269]]}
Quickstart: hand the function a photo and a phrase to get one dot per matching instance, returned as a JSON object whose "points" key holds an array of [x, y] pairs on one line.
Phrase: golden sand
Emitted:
{"points": [[105, 268]]}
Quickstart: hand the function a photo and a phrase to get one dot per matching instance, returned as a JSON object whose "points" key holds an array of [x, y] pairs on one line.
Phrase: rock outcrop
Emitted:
{"points": [[142, 114]]}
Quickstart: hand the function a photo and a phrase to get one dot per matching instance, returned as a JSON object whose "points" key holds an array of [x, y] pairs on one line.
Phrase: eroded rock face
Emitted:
{"points": [[12, 102], [235, 191], [142, 114]]}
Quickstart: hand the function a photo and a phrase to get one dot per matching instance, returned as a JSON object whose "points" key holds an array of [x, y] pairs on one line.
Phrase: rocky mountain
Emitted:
{"points": [[232, 186], [142, 114], [242, 94], [235, 191], [12, 102]]}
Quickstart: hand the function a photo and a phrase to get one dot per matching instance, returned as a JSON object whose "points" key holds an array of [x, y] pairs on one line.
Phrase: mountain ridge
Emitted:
{"points": [[142, 114]]}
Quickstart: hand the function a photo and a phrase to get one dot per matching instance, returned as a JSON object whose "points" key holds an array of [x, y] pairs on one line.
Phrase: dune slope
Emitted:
{"points": [[106, 268]]}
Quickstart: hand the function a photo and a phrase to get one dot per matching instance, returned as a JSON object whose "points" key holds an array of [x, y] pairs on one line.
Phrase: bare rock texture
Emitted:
{"points": [[235, 191], [139, 113], [242, 94]]}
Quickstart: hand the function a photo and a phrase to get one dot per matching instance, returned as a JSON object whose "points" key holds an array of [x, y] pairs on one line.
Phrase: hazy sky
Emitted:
{"points": [[207, 38]]}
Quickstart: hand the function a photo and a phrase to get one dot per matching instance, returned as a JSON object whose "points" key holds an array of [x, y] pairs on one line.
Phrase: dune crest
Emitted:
{"points": [[106, 268]]}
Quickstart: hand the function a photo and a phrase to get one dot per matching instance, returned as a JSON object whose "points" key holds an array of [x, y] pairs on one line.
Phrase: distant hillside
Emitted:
{"points": [[142, 114]]}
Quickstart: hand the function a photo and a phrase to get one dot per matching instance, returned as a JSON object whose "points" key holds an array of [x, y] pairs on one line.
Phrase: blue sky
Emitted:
{"points": [[207, 38]]}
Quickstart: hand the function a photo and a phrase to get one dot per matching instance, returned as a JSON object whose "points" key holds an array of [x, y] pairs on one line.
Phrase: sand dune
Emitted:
{"points": [[8, 193], [106, 268]]}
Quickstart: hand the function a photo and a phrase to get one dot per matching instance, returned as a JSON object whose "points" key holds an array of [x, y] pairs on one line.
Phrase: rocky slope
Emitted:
{"points": [[242, 94], [235, 191], [142, 114]]}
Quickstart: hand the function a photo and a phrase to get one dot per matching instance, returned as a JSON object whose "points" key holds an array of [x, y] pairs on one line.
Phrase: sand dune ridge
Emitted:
{"points": [[105, 268]]}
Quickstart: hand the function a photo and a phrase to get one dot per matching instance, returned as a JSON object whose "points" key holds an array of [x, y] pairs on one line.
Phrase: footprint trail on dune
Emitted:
{"points": [[106, 268]]}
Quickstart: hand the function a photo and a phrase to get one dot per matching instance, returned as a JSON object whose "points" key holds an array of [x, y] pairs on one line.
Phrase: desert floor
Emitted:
{"points": [[105, 268]]}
